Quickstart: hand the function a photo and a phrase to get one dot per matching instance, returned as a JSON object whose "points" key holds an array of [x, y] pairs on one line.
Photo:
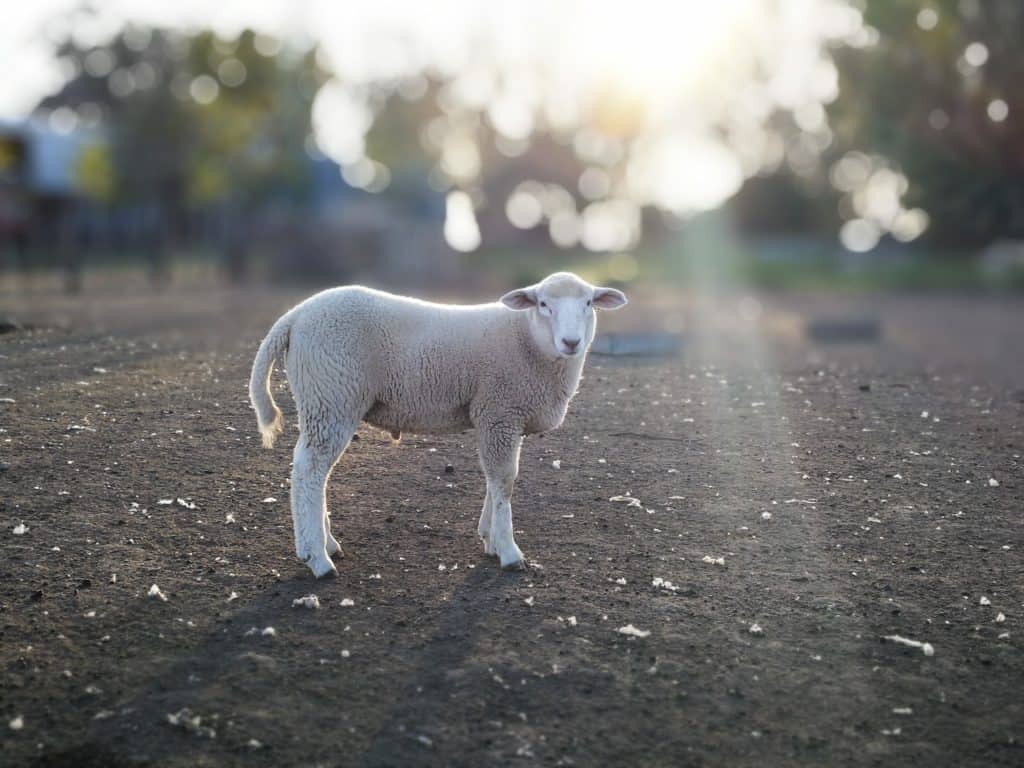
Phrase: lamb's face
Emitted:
{"points": [[561, 311]]}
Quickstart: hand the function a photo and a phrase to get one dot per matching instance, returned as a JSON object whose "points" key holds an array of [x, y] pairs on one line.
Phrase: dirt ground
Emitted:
{"points": [[842, 493]]}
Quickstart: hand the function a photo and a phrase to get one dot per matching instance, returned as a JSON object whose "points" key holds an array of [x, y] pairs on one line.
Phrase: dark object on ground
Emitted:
{"points": [[654, 344], [844, 330], [449, 469]]}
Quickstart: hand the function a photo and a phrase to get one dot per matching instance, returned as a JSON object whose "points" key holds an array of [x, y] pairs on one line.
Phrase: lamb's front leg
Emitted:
{"points": [[499, 454], [483, 529]]}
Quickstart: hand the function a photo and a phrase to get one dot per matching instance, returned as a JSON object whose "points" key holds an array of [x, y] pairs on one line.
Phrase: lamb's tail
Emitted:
{"points": [[272, 349]]}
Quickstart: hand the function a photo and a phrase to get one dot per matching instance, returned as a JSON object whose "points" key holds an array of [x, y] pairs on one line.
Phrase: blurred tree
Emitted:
{"points": [[193, 124], [939, 95]]}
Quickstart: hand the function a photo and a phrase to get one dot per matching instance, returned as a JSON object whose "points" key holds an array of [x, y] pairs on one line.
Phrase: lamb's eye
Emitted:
{"points": [[588, 302], [544, 304]]}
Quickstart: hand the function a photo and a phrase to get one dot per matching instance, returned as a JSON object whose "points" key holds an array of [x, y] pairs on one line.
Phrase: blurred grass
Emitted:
{"points": [[771, 266], [709, 253], [808, 273]]}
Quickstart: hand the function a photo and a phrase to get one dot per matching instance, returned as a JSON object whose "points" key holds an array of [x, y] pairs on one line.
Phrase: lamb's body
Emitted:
{"points": [[413, 366], [354, 354]]}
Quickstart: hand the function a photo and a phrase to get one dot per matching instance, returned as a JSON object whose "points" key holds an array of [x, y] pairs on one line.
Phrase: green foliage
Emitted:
{"points": [[193, 120], [915, 98]]}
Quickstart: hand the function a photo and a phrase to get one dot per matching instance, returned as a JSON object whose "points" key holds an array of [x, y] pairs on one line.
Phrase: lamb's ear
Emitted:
{"points": [[608, 298], [521, 298]]}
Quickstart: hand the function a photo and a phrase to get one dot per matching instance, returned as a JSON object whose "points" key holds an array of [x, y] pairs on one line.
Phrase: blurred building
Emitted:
{"points": [[38, 190]]}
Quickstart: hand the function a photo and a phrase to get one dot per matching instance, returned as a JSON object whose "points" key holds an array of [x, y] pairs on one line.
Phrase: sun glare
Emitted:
{"points": [[659, 52]]}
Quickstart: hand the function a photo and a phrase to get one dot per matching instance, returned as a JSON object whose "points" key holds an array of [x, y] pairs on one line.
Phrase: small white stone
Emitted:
{"points": [[926, 648], [632, 631], [16, 723], [1000, 617], [657, 581], [309, 601], [993, 483], [557, 463], [347, 602], [20, 529], [155, 591], [755, 629], [984, 601]]}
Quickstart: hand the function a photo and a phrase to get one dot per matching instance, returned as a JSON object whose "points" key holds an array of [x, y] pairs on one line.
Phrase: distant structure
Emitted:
{"points": [[330, 234], [38, 191]]}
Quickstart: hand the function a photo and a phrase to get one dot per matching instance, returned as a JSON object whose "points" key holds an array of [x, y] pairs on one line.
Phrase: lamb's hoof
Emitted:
{"points": [[335, 551], [515, 565], [323, 570], [488, 549]]}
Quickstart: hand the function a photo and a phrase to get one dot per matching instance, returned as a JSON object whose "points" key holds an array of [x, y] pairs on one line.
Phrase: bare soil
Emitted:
{"points": [[846, 490]]}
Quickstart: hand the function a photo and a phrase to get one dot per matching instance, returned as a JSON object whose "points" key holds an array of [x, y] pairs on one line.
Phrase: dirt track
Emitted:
{"points": [[842, 514]]}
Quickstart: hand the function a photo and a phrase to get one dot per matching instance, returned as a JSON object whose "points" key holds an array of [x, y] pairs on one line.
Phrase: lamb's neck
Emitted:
{"points": [[572, 370], [566, 371]]}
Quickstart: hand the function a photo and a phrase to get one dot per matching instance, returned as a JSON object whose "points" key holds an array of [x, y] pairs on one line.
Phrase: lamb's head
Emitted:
{"points": [[561, 311]]}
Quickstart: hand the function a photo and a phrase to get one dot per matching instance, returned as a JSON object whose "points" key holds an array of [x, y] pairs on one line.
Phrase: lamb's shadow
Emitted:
{"points": [[480, 596], [239, 675]]}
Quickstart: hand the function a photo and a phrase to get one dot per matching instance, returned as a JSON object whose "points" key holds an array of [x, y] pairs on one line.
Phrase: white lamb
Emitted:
{"points": [[354, 354]]}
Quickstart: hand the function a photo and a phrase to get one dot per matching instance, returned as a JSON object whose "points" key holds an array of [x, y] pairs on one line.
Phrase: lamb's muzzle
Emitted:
{"points": [[354, 354]]}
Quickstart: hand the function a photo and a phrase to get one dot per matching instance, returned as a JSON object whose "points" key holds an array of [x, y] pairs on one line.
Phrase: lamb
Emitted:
{"points": [[353, 354]]}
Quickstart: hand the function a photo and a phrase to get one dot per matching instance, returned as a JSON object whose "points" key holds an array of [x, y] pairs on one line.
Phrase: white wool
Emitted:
{"points": [[354, 354]]}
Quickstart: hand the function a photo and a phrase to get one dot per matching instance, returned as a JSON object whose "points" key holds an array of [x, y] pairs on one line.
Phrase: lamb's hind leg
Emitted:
{"points": [[333, 547], [316, 453], [483, 529]]}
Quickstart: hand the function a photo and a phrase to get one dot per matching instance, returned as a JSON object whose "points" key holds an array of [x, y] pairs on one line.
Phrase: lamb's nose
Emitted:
{"points": [[571, 344]]}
